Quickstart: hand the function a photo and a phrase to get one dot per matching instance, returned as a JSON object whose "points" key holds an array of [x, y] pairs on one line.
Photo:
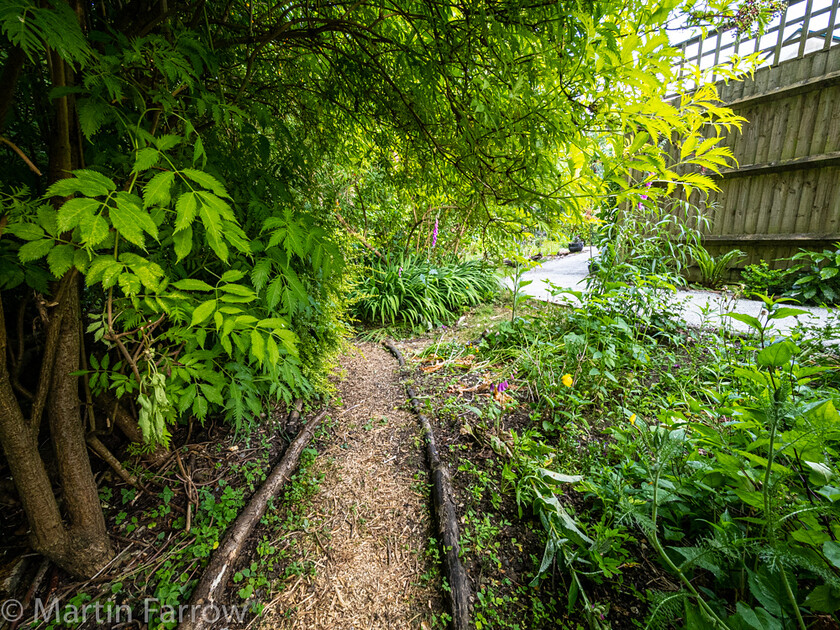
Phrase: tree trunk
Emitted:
{"points": [[78, 542], [61, 153], [89, 547], [87, 524], [83, 548], [20, 446], [8, 81]]}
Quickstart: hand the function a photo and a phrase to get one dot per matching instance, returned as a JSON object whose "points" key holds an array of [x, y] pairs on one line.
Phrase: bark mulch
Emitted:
{"points": [[371, 514]]}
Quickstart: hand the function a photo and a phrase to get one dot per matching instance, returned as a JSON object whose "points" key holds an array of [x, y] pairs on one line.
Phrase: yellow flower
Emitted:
{"points": [[567, 380], [633, 419]]}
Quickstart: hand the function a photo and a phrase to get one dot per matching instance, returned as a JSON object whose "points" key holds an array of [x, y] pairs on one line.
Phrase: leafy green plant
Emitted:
{"points": [[648, 238], [731, 479], [418, 292], [521, 265], [712, 268], [817, 277], [760, 278], [761, 471], [237, 344]]}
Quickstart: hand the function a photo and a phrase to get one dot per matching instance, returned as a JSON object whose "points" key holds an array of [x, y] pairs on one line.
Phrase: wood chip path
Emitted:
{"points": [[370, 518]]}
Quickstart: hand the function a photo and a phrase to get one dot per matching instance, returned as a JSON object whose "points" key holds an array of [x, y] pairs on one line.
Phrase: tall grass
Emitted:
{"points": [[711, 268], [417, 292]]}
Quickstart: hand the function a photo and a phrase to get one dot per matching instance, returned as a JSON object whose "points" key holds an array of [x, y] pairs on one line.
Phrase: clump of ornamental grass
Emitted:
{"points": [[418, 292]]}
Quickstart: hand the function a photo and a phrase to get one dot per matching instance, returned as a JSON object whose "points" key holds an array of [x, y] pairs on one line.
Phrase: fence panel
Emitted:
{"points": [[784, 193]]}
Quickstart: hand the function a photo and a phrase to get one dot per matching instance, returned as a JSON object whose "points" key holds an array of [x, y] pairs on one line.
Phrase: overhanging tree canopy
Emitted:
{"points": [[168, 194]]}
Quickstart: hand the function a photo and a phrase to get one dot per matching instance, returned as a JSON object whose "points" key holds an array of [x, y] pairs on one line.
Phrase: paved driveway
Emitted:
{"points": [[701, 307]]}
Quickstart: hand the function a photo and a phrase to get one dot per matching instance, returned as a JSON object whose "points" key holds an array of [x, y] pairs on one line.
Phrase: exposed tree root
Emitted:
{"points": [[446, 517], [212, 584]]}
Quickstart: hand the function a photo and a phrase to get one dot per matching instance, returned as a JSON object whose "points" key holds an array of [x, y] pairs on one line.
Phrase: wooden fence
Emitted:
{"points": [[785, 192]]}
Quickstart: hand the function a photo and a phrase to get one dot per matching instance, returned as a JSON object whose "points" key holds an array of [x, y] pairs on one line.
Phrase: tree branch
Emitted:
{"points": [[100, 449], [22, 155], [50, 348], [111, 336], [362, 239]]}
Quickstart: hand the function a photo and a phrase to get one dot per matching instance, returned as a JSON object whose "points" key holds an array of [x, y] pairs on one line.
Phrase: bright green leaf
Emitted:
{"points": [[74, 211], [60, 259], [777, 354], [202, 312], [33, 250], [157, 189], [191, 284], [146, 159]]}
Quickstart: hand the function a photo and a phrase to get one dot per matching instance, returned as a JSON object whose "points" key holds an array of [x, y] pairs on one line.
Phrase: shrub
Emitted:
{"points": [[419, 292], [818, 276], [760, 278]]}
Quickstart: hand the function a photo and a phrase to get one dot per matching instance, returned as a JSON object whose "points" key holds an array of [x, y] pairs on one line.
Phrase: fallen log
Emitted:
{"points": [[446, 516], [211, 586]]}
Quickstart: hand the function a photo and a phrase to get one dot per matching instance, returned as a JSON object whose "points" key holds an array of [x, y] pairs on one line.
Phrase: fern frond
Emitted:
{"points": [[36, 28]]}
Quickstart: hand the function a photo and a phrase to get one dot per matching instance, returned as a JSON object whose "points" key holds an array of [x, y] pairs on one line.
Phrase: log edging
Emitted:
{"points": [[446, 516], [210, 588]]}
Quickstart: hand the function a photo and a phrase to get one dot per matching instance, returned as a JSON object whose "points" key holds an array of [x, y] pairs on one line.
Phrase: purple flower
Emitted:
{"points": [[435, 234], [399, 273], [644, 196], [502, 386], [640, 205], [648, 184]]}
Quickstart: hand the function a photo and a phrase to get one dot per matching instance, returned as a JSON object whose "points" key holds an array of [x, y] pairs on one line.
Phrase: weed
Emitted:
{"points": [[711, 268]]}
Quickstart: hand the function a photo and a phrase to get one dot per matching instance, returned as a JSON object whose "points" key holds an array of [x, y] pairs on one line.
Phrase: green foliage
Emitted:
{"points": [[202, 221], [29, 24], [197, 157], [759, 278], [201, 298], [574, 363], [421, 293], [227, 340], [712, 269], [817, 277], [754, 460], [721, 455], [649, 239], [521, 265]]}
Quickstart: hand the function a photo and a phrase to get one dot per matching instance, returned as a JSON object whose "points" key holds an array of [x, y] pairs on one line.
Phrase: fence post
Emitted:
{"points": [[780, 40], [832, 23], [806, 24]]}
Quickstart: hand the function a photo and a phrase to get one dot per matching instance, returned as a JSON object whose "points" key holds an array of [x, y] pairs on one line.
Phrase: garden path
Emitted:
{"points": [[370, 522], [702, 308]]}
